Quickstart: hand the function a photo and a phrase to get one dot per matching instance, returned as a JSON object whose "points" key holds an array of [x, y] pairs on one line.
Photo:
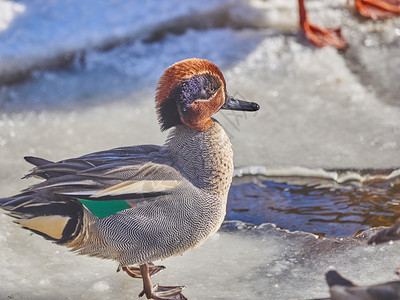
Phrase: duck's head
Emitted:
{"points": [[191, 91]]}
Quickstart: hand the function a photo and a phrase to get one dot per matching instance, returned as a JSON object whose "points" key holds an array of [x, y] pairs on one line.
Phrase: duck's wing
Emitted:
{"points": [[105, 182], [47, 169]]}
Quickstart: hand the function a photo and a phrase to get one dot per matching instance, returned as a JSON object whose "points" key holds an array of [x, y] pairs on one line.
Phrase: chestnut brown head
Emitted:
{"points": [[190, 92]]}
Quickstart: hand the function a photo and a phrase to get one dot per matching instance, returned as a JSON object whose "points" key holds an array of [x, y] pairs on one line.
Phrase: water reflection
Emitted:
{"points": [[319, 206]]}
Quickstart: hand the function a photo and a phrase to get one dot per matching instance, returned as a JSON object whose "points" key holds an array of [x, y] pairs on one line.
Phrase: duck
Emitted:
{"points": [[341, 288], [139, 204], [386, 235]]}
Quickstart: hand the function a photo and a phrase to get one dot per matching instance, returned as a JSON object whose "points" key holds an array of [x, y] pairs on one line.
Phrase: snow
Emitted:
{"points": [[240, 262], [93, 67], [9, 11], [53, 30]]}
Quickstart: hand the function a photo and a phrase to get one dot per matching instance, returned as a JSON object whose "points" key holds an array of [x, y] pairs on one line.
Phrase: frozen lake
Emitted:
{"points": [[80, 77]]}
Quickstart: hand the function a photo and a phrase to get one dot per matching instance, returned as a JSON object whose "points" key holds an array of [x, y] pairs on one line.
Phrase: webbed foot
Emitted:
{"points": [[320, 37], [165, 293], [377, 9], [158, 292]]}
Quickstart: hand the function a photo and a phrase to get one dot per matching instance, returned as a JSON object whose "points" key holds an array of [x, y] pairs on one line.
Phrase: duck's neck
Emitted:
{"points": [[204, 157]]}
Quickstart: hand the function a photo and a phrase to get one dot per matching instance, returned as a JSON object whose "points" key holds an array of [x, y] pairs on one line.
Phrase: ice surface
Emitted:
{"points": [[320, 109], [314, 110], [8, 12], [239, 262], [49, 33]]}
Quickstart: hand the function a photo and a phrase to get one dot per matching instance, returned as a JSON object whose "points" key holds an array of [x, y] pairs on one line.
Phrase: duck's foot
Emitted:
{"points": [[165, 293], [323, 37], [320, 37], [158, 292], [377, 9], [135, 272]]}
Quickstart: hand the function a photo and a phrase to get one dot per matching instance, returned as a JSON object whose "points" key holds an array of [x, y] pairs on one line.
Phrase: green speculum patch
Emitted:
{"points": [[103, 209]]}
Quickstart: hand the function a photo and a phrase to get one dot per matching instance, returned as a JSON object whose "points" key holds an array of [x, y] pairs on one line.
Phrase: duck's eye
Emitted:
{"points": [[211, 90]]}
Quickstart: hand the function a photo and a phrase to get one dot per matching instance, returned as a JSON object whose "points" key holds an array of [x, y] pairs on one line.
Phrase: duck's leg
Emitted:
{"points": [[320, 37], [377, 9], [159, 292], [135, 272]]}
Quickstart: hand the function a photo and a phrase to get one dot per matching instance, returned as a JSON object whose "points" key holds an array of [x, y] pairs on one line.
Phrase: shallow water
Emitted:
{"points": [[318, 206]]}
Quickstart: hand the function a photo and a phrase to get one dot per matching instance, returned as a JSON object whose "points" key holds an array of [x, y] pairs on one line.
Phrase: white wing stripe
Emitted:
{"points": [[138, 187]]}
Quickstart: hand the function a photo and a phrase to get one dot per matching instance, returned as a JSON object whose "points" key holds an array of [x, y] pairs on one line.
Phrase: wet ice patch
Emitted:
{"points": [[223, 47], [49, 33], [122, 71]]}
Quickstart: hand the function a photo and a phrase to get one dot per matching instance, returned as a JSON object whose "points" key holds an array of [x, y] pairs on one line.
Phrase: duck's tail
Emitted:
{"points": [[55, 217]]}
